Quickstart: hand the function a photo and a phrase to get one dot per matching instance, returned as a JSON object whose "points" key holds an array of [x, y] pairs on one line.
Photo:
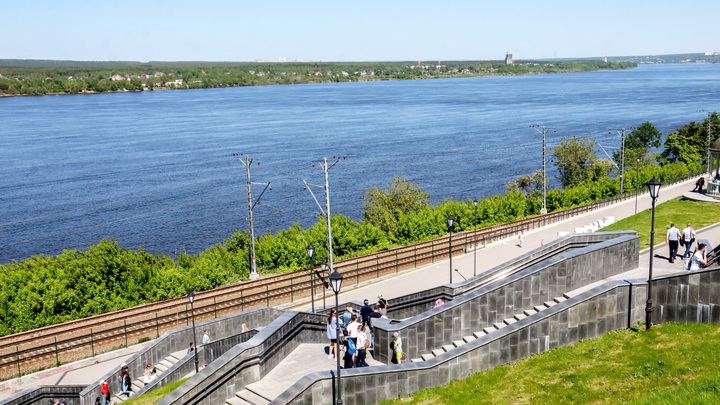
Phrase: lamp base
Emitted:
{"points": [[254, 276]]}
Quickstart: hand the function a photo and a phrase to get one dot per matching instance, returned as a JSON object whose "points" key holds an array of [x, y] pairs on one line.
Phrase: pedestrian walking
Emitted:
{"points": [[699, 258], [206, 338], [146, 374], [191, 348], [688, 238], [125, 383], [346, 316], [520, 238], [105, 391], [349, 348], [396, 347], [382, 302], [365, 312], [671, 240], [362, 345], [332, 334]]}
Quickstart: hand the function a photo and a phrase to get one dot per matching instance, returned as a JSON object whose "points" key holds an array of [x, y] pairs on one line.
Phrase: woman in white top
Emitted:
{"points": [[699, 259], [361, 350]]}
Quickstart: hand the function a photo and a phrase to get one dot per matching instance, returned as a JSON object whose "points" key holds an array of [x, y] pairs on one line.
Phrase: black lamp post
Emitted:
{"points": [[324, 268], [654, 187], [191, 298], [335, 283], [475, 241], [311, 251], [450, 220]]}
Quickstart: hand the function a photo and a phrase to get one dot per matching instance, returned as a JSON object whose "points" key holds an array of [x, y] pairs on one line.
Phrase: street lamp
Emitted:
{"points": [[335, 283], [311, 251], [475, 240], [324, 267], [191, 298], [450, 220], [654, 188]]}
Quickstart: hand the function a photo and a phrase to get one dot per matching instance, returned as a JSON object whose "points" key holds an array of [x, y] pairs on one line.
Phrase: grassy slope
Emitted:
{"points": [[619, 367], [155, 395], [678, 211]]}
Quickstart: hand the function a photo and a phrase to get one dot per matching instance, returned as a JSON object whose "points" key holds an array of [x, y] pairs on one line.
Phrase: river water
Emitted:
{"points": [[156, 169]]}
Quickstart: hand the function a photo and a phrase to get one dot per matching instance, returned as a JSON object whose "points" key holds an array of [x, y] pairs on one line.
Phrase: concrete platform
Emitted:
{"points": [[701, 196]]}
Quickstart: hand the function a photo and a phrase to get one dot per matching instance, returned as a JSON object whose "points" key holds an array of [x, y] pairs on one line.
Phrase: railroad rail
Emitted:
{"points": [[49, 346]]}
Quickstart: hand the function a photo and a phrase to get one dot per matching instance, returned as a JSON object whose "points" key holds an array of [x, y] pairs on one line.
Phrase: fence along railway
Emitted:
{"points": [[25, 352]]}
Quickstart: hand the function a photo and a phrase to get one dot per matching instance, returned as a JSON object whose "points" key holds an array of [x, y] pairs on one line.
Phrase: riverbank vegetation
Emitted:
{"points": [[44, 290], [670, 363], [27, 77]]}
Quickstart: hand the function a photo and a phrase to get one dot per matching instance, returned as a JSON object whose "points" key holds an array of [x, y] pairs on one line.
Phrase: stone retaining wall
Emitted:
{"points": [[46, 394]]}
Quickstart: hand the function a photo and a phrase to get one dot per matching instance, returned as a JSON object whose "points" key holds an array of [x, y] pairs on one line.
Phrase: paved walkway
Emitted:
{"points": [[427, 277]]}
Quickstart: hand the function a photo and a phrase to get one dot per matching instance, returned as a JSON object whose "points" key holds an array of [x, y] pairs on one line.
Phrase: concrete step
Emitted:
{"points": [[468, 339], [161, 368], [427, 357], [509, 321], [137, 385], [236, 401], [252, 397], [539, 308], [447, 348], [520, 317], [529, 312], [438, 352], [549, 303], [559, 299], [489, 330], [166, 363], [458, 343], [480, 334], [499, 325], [566, 295], [415, 360]]}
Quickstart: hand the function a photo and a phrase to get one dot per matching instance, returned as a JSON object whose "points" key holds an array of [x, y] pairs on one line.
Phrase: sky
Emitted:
{"points": [[219, 30]]}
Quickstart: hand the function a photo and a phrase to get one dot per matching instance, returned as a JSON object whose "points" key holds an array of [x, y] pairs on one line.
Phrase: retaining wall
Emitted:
{"points": [[46, 394]]}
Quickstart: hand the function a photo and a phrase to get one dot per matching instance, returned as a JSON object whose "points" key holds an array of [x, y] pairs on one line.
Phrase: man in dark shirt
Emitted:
{"points": [[365, 312]]}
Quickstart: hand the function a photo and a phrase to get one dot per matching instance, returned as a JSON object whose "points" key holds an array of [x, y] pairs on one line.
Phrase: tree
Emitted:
{"points": [[529, 184], [686, 145], [383, 207], [576, 161]]}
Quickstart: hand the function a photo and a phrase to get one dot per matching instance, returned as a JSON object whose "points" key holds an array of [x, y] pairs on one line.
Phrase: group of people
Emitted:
{"points": [[357, 333], [675, 238]]}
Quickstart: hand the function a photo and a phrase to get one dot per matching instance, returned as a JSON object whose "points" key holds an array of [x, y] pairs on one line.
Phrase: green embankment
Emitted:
{"points": [[673, 363], [155, 395], [678, 211]]}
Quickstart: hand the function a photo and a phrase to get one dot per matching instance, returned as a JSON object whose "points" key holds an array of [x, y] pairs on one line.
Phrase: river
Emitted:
{"points": [[156, 169]]}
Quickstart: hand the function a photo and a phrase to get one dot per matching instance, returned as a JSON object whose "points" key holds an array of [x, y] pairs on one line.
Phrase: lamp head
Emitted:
{"points": [[310, 250], [654, 188], [475, 202], [336, 281], [191, 297], [324, 265], [450, 221]]}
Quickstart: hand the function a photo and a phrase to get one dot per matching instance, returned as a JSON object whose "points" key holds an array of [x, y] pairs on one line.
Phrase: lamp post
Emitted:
{"points": [[450, 220], [654, 188], [335, 283], [191, 298], [324, 268], [475, 241], [637, 183], [311, 251]]}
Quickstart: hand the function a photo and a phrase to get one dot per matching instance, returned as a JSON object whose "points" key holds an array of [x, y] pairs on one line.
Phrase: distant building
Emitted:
{"points": [[508, 59]]}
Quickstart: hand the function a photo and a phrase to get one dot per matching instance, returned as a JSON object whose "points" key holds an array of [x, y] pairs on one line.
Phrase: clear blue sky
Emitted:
{"points": [[353, 30]]}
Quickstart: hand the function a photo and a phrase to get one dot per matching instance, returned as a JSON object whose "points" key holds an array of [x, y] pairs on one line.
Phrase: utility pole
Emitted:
{"points": [[621, 132], [543, 210], [247, 162], [709, 115]]}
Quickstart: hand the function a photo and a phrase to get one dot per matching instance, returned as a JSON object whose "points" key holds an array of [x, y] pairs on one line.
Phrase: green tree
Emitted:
{"points": [[529, 184], [576, 161], [383, 207], [686, 145]]}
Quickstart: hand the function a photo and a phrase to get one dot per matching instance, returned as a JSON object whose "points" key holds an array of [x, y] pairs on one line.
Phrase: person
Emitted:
{"points": [[105, 390], [365, 311], [699, 258], [362, 341], [125, 383], [346, 317], [206, 337], [439, 302], [520, 238], [153, 374], [374, 316], [332, 334], [396, 346], [688, 238], [352, 330], [383, 304], [699, 184], [191, 348], [146, 374], [245, 328], [97, 401], [349, 349], [671, 240]]}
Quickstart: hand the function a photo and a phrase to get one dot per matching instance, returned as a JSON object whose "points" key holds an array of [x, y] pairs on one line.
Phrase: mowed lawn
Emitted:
{"points": [[671, 364], [678, 211]]}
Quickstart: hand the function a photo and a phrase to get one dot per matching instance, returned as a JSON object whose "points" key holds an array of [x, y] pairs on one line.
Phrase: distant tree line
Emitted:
{"points": [[34, 78]]}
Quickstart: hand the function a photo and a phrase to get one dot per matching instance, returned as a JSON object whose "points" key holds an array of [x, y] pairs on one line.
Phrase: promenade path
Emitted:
{"points": [[427, 277]]}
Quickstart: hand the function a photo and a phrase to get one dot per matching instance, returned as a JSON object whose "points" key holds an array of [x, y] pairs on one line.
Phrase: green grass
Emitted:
{"points": [[620, 367], [679, 211], [154, 395]]}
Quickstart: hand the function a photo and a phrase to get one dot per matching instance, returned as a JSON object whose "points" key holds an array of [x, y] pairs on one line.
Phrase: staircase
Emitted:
{"points": [[247, 396], [490, 329], [162, 367]]}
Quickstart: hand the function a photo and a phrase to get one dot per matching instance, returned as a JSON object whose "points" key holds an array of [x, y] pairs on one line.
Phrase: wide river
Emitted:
{"points": [[156, 169]]}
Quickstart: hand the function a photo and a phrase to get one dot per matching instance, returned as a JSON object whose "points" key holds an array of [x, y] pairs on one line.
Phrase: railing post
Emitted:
{"points": [[377, 266], [291, 290], [215, 306], [57, 357], [415, 256], [187, 317], [397, 269], [17, 353], [267, 294], [357, 271], [92, 342], [125, 327], [242, 301], [157, 326], [432, 251]]}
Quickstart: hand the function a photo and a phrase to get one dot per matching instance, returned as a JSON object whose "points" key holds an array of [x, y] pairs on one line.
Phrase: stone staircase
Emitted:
{"points": [[163, 366], [247, 396], [490, 329]]}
